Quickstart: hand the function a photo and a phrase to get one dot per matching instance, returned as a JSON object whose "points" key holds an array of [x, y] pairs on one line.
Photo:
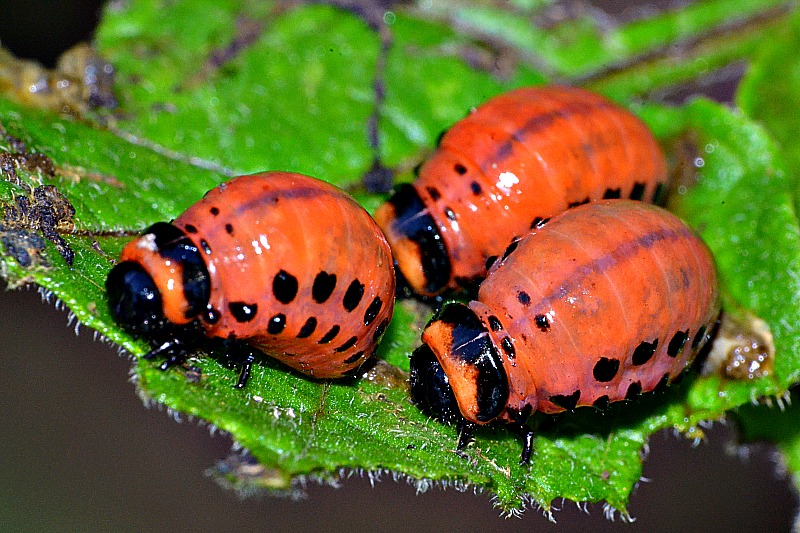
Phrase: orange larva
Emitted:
{"points": [[604, 302], [518, 159], [278, 262]]}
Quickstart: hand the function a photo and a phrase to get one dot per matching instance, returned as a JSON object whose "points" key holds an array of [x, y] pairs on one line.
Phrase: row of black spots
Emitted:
{"points": [[637, 193], [539, 222], [494, 323], [580, 202]]}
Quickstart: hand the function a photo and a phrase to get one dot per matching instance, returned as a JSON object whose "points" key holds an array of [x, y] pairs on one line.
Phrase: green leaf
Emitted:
{"points": [[212, 89]]}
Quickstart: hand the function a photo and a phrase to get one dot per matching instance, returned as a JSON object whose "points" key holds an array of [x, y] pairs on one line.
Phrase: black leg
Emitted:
{"points": [[465, 430], [524, 432], [527, 444], [243, 354], [244, 375]]}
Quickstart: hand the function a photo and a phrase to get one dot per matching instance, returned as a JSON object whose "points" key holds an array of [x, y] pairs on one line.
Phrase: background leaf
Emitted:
{"points": [[256, 86]]}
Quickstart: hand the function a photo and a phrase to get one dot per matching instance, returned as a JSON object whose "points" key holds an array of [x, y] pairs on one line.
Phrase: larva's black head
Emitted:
{"points": [[134, 299], [458, 370], [430, 387], [161, 280], [420, 253]]}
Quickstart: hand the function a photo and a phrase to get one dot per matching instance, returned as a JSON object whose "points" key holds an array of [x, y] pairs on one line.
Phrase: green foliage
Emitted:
{"points": [[212, 89]]}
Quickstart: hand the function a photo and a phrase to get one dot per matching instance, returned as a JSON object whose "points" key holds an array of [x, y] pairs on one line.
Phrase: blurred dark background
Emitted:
{"points": [[79, 451]]}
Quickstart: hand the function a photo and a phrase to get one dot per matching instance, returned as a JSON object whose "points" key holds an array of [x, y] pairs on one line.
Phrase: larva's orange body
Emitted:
{"points": [[285, 263], [604, 302], [518, 159]]}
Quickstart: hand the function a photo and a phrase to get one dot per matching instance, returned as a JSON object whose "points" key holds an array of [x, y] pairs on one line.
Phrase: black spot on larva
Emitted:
{"points": [[567, 402], [353, 295], [308, 328], [190, 228], [475, 187], [323, 286], [372, 311], [610, 194], [450, 214], [380, 330], [524, 298], [676, 344], [330, 335], [698, 337], [602, 402], [229, 229], [494, 323], [204, 245], [580, 202], [243, 312], [353, 358], [284, 287], [657, 193], [490, 261], [638, 191], [644, 352], [434, 192], [347, 345], [510, 248], [276, 324], [634, 391], [662, 385], [605, 369], [542, 322], [212, 316], [460, 169], [214, 211], [508, 348]]}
